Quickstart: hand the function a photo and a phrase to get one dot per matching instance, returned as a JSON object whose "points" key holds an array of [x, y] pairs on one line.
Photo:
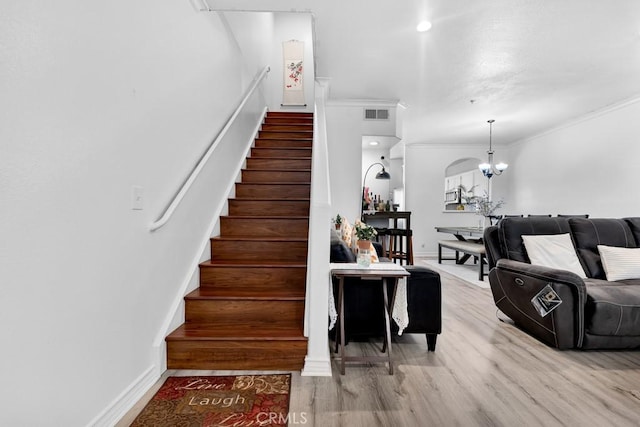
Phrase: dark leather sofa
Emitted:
{"points": [[594, 313], [361, 300]]}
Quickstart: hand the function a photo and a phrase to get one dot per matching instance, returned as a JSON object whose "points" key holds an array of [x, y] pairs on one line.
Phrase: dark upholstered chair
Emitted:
{"points": [[423, 301]]}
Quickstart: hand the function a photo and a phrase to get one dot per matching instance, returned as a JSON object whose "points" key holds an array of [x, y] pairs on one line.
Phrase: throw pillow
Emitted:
{"points": [[374, 254], [347, 232], [341, 253], [620, 263], [553, 251]]}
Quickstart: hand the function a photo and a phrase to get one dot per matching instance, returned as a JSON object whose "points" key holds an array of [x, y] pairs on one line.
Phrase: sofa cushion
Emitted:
{"points": [[620, 263], [492, 245], [634, 225], [340, 252], [613, 308], [589, 233], [510, 231]]}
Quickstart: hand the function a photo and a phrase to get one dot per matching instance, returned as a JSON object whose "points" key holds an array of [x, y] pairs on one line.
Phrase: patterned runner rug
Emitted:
{"points": [[235, 400]]}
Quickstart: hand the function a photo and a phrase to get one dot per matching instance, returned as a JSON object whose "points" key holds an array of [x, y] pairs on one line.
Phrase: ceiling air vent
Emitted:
{"points": [[370, 114]]}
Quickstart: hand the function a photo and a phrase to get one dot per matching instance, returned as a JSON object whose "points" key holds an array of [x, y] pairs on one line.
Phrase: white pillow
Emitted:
{"points": [[553, 251], [620, 263]]}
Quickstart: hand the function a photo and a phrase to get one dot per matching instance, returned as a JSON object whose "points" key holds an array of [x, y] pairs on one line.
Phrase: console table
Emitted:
{"points": [[381, 273]]}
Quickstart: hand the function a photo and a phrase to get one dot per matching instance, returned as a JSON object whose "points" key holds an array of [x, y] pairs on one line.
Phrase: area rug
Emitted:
{"points": [[467, 272], [242, 400]]}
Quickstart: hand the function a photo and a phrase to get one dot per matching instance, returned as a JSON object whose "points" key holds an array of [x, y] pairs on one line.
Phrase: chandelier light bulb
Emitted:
{"points": [[489, 169]]}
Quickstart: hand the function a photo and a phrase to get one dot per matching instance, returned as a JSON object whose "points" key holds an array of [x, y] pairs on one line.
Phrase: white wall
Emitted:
{"points": [[589, 166], [96, 98], [424, 185], [344, 140], [256, 47], [345, 128]]}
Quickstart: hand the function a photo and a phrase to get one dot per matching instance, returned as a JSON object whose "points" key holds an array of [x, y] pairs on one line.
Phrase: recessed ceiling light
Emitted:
{"points": [[424, 26], [373, 143]]}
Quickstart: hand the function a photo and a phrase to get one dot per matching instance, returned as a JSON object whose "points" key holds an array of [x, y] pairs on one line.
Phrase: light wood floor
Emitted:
{"points": [[484, 372]]}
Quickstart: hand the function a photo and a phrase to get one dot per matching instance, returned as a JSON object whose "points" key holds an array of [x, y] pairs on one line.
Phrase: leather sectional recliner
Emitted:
{"points": [[594, 313]]}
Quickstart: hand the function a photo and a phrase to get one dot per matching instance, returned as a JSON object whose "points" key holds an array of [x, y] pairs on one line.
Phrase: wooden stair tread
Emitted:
{"points": [[254, 217], [236, 332], [282, 138], [289, 184], [262, 239], [294, 148], [279, 152], [275, 143], [278, 182], [263, 131], [278, 170], [288, 120], [246, 293], [290, 130], [281, 158], [289, 113], [245, 264], [256, 199]]}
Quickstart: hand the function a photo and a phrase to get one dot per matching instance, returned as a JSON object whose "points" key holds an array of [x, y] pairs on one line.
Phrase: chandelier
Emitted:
{"points": [[489, 169]]}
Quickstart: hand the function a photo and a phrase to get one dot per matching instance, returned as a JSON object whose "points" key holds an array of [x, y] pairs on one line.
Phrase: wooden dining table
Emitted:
{"points": [[464, 234]]}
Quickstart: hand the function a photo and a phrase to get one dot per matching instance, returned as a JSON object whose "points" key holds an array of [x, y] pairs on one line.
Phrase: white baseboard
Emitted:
{"points": [[125, 401], [316, 367]]}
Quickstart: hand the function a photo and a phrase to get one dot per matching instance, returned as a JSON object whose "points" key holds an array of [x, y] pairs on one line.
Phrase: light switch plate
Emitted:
{"points": [[137, 198]]}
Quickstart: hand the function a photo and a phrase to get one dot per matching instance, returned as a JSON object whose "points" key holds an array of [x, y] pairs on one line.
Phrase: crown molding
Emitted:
{"points": [[355, 102], [441, 146], [584, 118]]}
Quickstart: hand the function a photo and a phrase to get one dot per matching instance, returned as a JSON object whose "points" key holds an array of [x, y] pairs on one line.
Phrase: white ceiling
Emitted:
{"points": [[529, 64]]}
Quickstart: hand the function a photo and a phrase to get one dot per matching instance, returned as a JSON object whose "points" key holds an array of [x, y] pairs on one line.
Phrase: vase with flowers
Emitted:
{"points": [[364, 233]]}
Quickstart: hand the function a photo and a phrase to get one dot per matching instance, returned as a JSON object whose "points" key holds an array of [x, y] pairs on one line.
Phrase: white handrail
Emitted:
{"points": [[177, 198]]}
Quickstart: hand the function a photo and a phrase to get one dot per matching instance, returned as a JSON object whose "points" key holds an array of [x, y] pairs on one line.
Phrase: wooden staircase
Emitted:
{"points": [[248, 312]]}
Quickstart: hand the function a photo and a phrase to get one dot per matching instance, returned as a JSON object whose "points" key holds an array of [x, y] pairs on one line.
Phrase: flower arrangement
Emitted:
{"points": [[364, 231], [487, 207]]}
